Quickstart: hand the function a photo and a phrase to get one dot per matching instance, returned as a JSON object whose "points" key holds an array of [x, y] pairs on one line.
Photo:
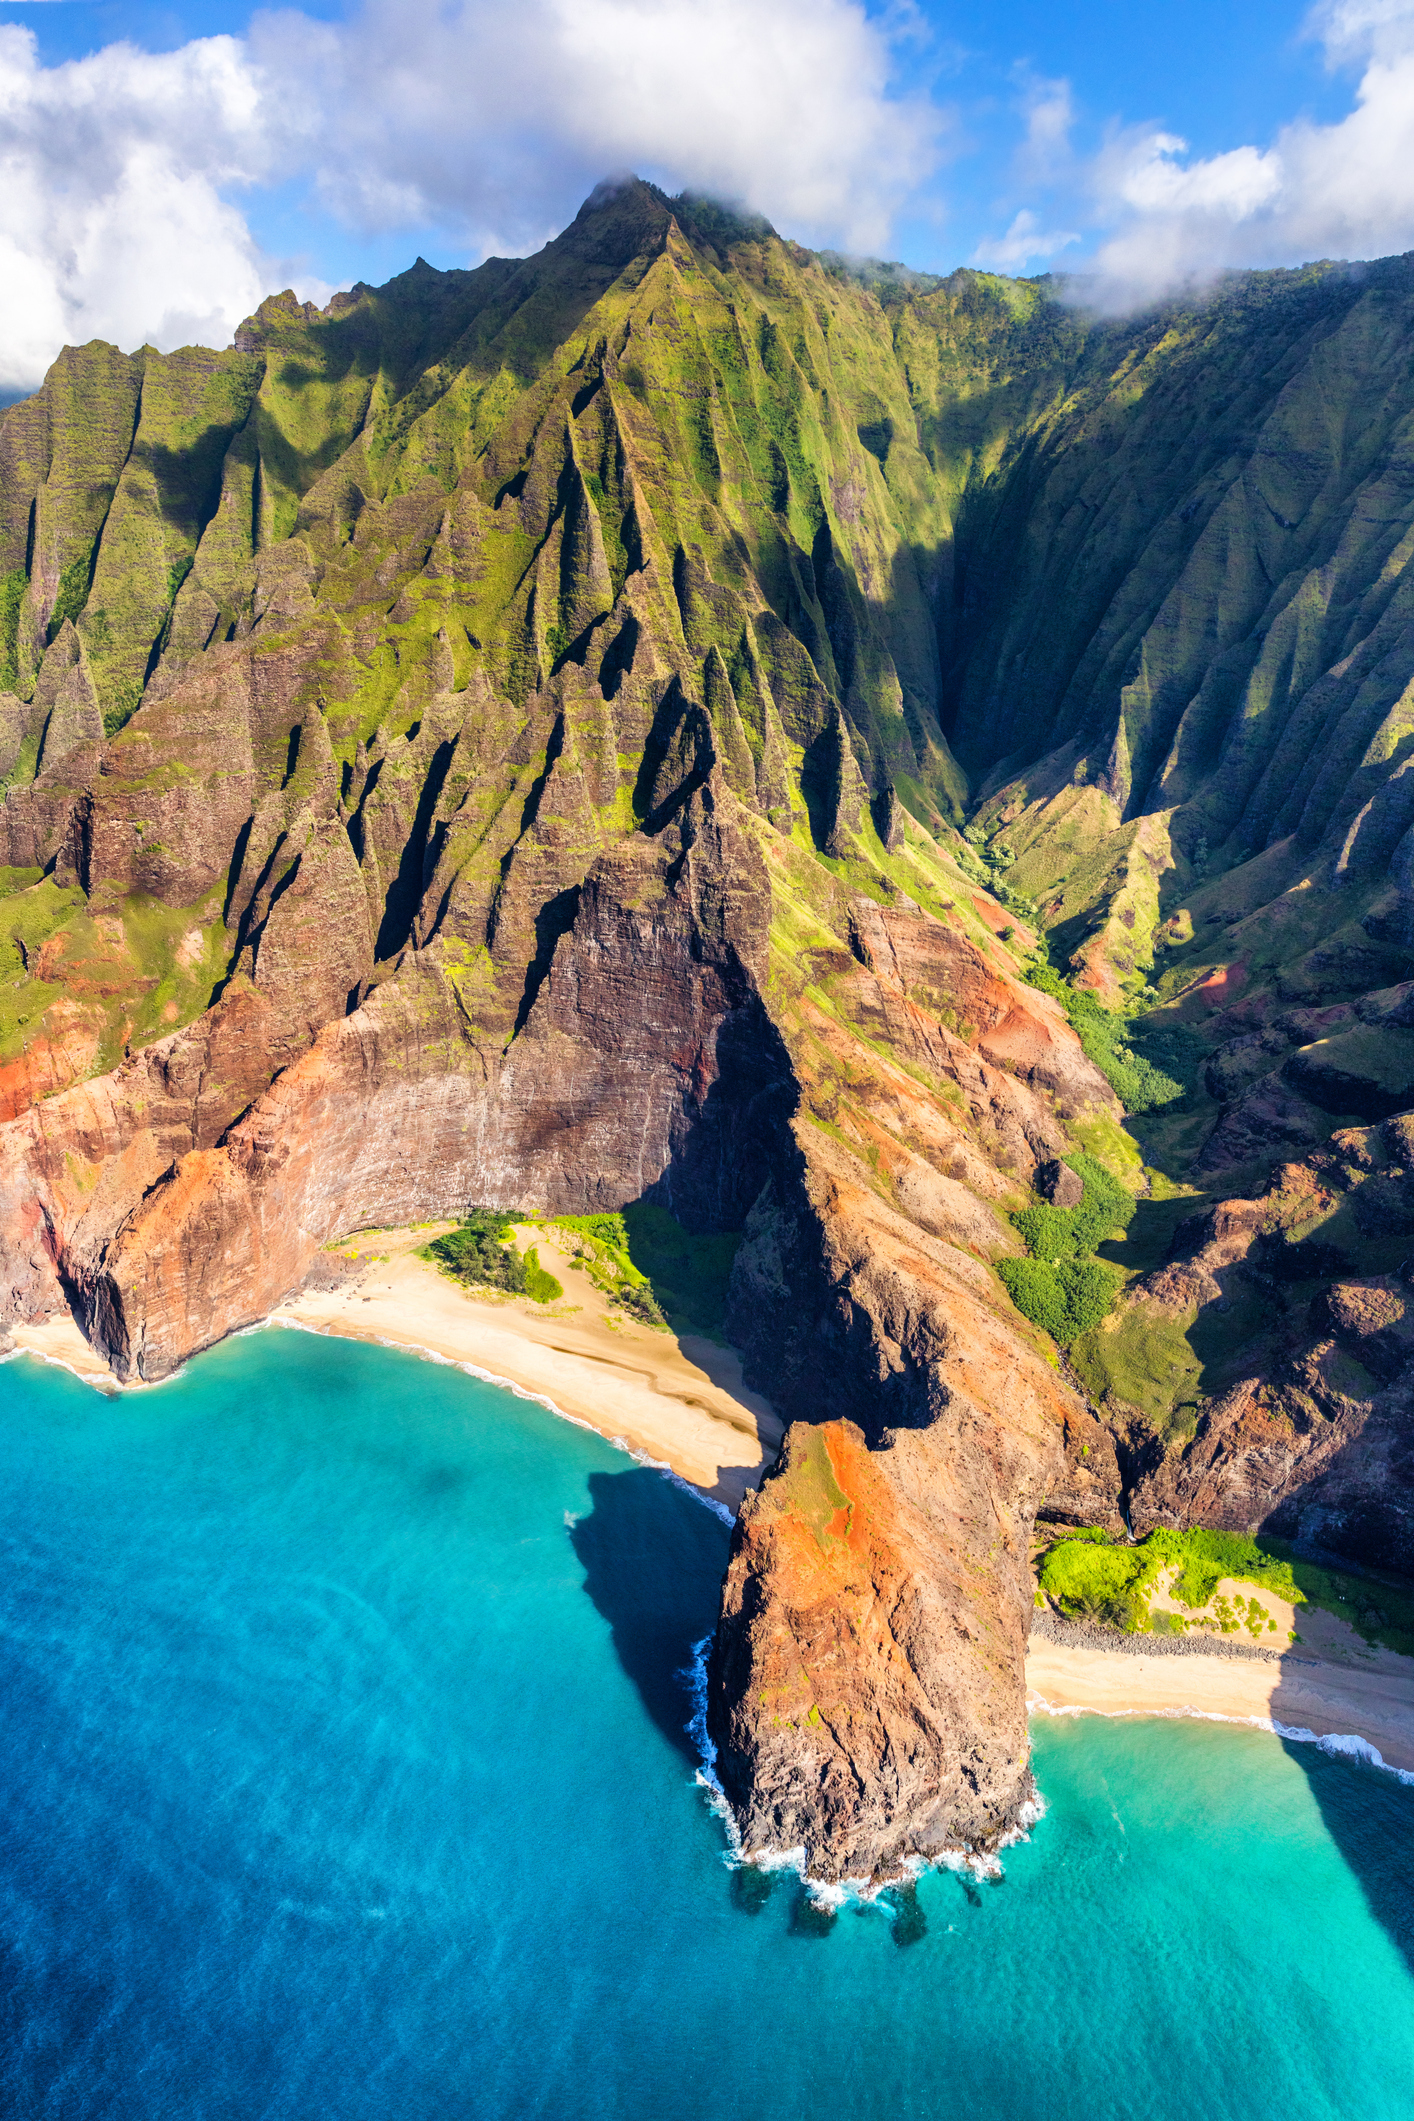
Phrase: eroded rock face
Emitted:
{"points": [[866, 1691], [1315, 1442], [862, 1695], [646, 1060]]}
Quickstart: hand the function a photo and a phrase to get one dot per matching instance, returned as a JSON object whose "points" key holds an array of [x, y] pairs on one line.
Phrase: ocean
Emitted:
{"points": [[344, 1777]]}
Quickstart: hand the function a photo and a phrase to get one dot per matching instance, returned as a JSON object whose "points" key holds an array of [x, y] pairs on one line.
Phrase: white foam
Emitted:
{"points": [[403, 1347], [1346, 1745], [109, 1385]]}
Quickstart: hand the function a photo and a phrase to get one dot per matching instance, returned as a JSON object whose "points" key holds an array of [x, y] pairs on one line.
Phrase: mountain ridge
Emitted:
{"points": [[508, 738]]}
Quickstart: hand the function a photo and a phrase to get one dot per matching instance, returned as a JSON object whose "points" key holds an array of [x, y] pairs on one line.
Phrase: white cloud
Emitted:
{"points": [[1343, 190], [490, 121], [112, 223], [1048, 107], [1024, 241], [498, 120]]}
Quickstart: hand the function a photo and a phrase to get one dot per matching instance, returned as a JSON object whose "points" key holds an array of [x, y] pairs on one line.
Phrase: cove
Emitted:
{"points": [[343, 1775]]}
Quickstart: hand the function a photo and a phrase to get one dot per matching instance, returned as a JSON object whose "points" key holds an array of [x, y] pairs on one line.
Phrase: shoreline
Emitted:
{"points": [[1366, 1712], [506, 1384], [676, 1403], [680, 1406]]}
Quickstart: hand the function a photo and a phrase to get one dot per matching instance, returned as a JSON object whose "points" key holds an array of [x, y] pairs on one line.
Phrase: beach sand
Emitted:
{"points": [[60, 1340], [1354, 1692], [678, 1400]]}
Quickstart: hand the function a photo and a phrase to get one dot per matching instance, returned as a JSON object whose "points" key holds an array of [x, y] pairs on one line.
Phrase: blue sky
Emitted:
{"points": [[153, 181]]}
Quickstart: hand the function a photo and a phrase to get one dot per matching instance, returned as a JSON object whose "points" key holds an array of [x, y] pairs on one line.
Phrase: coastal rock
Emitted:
{"points": [[645, 1062], [862, 1697], [866, 1688]]}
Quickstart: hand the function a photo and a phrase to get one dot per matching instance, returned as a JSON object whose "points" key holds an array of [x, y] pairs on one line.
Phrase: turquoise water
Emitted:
{"points": [[342, 1775]]}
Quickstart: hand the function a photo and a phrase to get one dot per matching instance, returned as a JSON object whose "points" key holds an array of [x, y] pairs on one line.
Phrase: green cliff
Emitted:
{"points": [[894, 766]]}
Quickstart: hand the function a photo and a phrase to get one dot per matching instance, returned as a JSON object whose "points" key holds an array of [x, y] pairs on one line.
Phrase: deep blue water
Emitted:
{"points": [[342, 1775]]}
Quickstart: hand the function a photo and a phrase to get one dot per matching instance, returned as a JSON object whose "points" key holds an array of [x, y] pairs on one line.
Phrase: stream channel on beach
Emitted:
{"points": [[343, 1774]]}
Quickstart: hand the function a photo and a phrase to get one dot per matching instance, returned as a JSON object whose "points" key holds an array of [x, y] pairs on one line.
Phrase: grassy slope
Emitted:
{"points": [[1088, 1578]]}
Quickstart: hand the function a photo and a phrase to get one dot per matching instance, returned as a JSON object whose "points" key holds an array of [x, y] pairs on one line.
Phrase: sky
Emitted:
{"points": [[163, 167]]}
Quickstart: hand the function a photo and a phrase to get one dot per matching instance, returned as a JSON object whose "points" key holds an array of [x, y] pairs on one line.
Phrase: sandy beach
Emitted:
{"points": [[679, 1401], [1366, 1694], [59, 1340]]}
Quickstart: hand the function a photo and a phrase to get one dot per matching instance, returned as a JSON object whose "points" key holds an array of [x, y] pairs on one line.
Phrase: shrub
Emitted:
{"points": [[1111, 1584], [1099, 1583], [12, 589], [1065, 1233], [689, 1272], [1138, 1083], [1034, 1287], [1064, 1298], [1207, 1556], [481, 1252], [638, 1299], [540, 1284]]}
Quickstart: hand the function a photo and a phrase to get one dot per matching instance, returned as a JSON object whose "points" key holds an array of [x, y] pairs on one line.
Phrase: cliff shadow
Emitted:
{"points": [[1354, 1672], [728, 1145], [1369, 1814], [653, 1561]]}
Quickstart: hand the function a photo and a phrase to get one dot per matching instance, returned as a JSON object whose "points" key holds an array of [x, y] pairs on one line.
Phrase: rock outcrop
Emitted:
{"points": [[863, 1688]]}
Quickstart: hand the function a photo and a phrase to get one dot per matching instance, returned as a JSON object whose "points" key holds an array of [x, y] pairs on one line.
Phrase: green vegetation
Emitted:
{"points": [[808, 1487], [12, 590], [482, 1253], [1104, 1584], [1091, 1578], [540, 1284], [1065, 1299], [1204, 1557], [1146, 1359], [140, 968], [648, 1265], [1072, 1233], [1379, 1608], [1061, 1287], [72, 593], [602, 1243], [1142, 1081], [1111, 1585]]}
